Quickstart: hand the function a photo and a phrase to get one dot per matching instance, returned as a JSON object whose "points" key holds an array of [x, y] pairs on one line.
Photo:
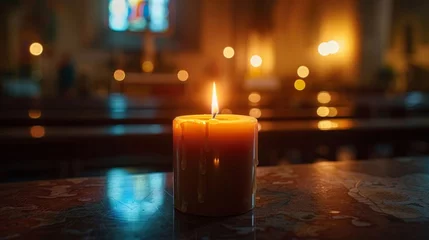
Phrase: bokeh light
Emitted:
{"points": [[254, 97], [256, 61], [323, 111], [299, 84], [255, 112], [147, 66], [333, 112], [323, 97], [303, 71], [326, 124], [34, 113], [119, 75], [183, 75], [327, 48], [259, 127], [333, 46], [228, 52], [216, 162], [36, 49], [323, 49], [37, 131]]}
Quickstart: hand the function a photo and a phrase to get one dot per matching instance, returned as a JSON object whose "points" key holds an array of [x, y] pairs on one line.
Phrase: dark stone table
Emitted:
{"points": [[375, 199]]}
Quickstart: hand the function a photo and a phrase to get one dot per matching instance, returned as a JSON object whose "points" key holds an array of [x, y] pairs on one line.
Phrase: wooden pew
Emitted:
{"points": [[80, 147]]}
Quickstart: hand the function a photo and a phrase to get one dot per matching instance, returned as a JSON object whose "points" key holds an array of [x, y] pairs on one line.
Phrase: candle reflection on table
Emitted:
{"points": [[134, 197]]}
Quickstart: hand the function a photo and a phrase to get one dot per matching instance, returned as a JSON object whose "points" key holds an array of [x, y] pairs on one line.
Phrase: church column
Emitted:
{"points": [[375, 19]]}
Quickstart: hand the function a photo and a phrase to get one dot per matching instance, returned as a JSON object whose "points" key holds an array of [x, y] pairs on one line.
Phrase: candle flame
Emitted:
{"points": [[215, 106]]}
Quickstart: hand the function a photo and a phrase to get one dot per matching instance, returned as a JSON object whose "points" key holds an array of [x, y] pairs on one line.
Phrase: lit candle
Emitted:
{"points": [[215, 159]]}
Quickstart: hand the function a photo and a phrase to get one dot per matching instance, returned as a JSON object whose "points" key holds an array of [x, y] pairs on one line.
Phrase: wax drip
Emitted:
{"points": [[201, 175], [202, 164], [201, 188], [202, 169], [205, 150], [182, 148]]}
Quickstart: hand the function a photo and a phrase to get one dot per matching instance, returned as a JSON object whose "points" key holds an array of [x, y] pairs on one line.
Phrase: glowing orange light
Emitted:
{"points": [[183, 75], [119, 75], [327, 48], [36, 49], [256, 61], [303, 71], [323, 97], [37, 131], [34, 114], [333, 46], [216, 162], [323, 49], [228, 52], [147, 66], [255, 112], [215, 106], [326, 124], [332, 112], [254, 97], [323, 111], [299, 84]]}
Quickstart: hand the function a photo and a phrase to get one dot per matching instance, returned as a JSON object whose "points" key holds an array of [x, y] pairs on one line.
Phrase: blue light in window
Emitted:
{"points": [[118, 12], [133, 15], [159, 15]]}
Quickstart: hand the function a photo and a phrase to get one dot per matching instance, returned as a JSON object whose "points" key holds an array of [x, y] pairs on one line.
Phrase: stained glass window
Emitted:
{"points": [[139, 15]]}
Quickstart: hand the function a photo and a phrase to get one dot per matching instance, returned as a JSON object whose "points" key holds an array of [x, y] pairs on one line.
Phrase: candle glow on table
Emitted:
{"points": [[215, 159]]}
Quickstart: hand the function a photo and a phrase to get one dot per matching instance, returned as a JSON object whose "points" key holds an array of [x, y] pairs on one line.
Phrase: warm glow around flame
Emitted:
{"points": [[215, 106]]}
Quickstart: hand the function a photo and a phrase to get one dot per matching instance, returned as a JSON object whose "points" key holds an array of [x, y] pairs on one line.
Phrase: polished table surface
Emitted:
{"points": [[377, 199]]}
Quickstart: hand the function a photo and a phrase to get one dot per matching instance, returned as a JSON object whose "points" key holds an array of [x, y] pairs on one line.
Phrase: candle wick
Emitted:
{"points": [[214, 115]]}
